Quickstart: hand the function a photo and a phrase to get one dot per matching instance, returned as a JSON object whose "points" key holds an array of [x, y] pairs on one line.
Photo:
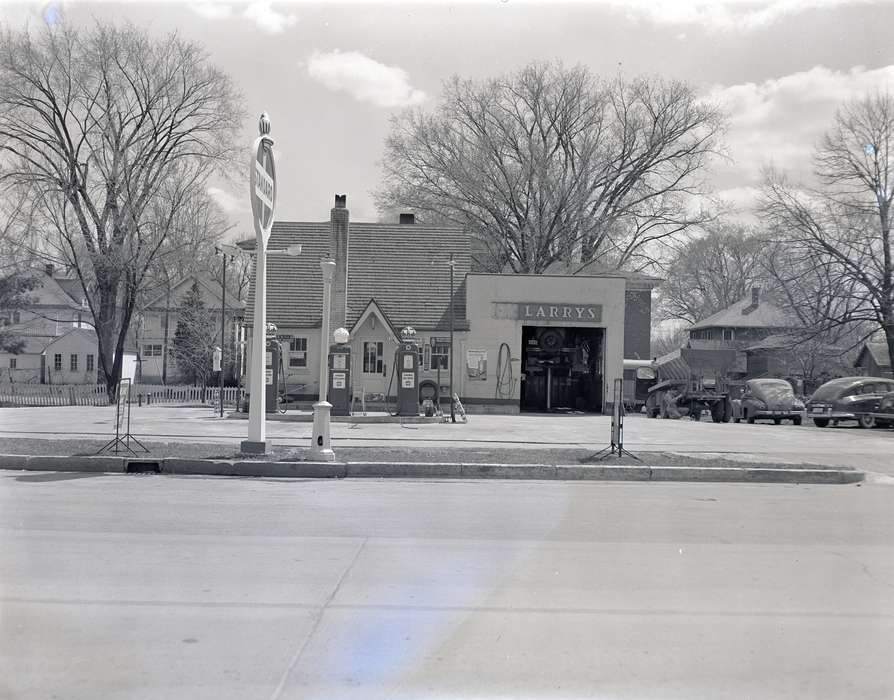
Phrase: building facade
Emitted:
{"points": [[521, 342], [56, 308]]}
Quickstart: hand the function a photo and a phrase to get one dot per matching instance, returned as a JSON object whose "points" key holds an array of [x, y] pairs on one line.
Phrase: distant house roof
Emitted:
{"points": [[88, 334], [401, 266], [51, 292], [746, 314], [72, 287], [213, 287], [878, 352]]}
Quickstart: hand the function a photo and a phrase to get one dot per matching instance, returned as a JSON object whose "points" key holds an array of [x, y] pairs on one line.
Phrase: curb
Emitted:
{"points": [[413, 470]]}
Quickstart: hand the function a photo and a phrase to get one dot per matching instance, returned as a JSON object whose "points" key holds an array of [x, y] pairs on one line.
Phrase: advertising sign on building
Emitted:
{"points": [[476, 364]]}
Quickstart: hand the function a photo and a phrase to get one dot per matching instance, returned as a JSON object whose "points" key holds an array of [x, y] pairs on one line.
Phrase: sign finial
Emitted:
{"points": [[264, 124]]}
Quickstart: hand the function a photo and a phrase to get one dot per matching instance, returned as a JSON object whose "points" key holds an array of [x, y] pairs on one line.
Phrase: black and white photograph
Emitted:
{"points": [[446, 350]]}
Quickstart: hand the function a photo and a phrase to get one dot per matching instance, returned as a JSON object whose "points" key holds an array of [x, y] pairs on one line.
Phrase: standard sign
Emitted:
{"points": [[263, 184], [582, 313]]}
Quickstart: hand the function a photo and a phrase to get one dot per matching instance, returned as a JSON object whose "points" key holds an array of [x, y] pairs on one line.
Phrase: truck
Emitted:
{"points": [[691, 381]]}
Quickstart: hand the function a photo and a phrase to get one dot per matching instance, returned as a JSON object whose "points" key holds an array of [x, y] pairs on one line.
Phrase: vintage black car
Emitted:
{"points": [[848, 399], [770, 399], [884, 415]]}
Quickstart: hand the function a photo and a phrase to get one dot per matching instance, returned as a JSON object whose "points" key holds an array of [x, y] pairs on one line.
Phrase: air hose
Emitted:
{"points": [[505, 382], [388, 391]]}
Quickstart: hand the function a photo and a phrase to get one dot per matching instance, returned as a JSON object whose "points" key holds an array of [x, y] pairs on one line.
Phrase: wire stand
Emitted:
{"points": [[617, 438], [122, 423]]}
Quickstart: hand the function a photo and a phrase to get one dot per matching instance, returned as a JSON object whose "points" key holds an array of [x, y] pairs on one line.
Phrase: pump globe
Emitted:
{"points": [[341, 335]]}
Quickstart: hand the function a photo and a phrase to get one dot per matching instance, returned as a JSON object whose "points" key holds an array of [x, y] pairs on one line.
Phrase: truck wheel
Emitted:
{"points": [[866, 421], [796, 420], [750, 419], [777, 421], [821, 422]]}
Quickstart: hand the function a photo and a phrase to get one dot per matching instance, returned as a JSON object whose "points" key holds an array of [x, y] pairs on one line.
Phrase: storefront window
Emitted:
{"points": [[372, 357]]}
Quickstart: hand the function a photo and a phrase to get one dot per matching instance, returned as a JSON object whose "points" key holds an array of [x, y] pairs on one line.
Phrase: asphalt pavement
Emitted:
{"points": [[136, 586]]}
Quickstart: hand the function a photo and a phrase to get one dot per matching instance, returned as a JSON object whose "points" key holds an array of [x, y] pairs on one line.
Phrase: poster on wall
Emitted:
{"points": [[476, 364]]}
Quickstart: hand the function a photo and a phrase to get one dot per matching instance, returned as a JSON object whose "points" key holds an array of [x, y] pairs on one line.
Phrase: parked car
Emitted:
{"points": [[772, 399], [884, 416], [848, 399]]}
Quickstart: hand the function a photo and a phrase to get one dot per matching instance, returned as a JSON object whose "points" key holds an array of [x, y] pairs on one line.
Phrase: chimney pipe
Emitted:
{"points": [[341, 201], [49, 269], [755, 296], [339, 245], [407, 218]]}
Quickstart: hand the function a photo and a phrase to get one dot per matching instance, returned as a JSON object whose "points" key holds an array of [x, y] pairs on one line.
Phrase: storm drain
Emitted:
{"points": [[143, 466]]}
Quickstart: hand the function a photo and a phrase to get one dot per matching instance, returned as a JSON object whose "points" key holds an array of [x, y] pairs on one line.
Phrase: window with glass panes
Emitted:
{"points": [[440, 355], [297, 352], [57, 362], [372, 357], [89, 362], [73, 362]]}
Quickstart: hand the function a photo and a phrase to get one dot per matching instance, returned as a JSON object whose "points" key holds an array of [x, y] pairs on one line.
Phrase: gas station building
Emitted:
{"points": [[548, 342]]}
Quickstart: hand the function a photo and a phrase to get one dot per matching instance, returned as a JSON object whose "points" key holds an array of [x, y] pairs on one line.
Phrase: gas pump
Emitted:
{"points": [[272, 357], [406, 362], [340, 374]]}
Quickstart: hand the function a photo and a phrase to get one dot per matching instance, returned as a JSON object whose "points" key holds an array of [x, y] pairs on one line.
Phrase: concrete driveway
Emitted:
{"points": [[150, 587], [869, 450]]}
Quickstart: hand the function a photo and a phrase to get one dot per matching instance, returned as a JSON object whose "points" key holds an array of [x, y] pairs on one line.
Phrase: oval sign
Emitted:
{"points": [[263, 184]]}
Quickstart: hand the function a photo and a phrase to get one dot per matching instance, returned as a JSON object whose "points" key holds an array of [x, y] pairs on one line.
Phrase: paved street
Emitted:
{"points": [[871, 450], [167, 587]]}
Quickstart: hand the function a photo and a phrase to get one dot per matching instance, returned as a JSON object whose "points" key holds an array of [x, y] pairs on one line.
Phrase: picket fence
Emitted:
{"points": [[16, 394]]}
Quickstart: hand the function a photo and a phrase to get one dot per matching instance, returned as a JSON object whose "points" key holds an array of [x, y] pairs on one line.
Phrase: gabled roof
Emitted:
{"points": [[402, 266], [879, 353], [372, 308], [743, 314], [88, 333], [51, 293]]}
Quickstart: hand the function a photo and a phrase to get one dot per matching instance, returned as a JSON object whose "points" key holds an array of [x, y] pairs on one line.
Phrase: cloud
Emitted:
{"points": [[212, 10], [261, 13], [268, 19], [780, 121], [364, 78], [228, 202], [726, 15]]}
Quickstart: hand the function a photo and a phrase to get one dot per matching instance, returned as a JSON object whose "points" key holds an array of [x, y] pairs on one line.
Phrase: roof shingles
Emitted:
{"points": [[403, 267]]}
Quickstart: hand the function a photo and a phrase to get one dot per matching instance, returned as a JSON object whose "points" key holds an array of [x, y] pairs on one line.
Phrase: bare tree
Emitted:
{"points": [[840, 230], [553, 164], [113, 133], [712, 271]]}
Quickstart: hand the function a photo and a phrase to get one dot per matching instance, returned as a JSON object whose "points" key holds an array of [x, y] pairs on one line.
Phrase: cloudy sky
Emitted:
{"points": [[330, 75]]}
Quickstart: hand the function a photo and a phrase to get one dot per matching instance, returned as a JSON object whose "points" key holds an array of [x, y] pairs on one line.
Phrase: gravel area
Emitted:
{"points": [[501, 455]]}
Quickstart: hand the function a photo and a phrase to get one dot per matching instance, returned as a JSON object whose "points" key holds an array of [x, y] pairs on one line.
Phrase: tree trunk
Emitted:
{"points": [[106, 320]]}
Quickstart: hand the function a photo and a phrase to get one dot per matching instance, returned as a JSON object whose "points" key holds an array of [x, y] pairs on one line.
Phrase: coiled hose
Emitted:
{"points": [[505, 381]]}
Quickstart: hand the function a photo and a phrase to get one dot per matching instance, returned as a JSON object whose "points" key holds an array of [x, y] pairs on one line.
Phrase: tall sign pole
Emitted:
{"points": [[262, 191]]}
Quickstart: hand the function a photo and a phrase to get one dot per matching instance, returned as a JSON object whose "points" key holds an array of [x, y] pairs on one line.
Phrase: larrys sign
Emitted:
{"points": [[581, 313], [262, 184]]}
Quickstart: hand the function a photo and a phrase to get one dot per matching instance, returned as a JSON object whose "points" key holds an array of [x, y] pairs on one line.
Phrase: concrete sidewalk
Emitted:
{"points": [[865, 450]]}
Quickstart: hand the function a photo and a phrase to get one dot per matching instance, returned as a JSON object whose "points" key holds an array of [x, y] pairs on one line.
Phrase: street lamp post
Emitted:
{"points": [[223, 321], [320, 447], [452, 265]]}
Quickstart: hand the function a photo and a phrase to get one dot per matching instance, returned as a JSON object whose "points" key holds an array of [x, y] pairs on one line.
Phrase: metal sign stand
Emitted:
{"points": [[617, 438], [122, 422]]}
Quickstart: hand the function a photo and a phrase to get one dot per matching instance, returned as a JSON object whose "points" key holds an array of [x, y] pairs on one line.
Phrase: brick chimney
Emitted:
{"points": [[338, 248], [407, 219], [755, 301], [49, 269]]}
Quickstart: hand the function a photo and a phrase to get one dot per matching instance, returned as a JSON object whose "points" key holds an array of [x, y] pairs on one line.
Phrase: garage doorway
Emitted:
{"points": [[563, 369]]}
